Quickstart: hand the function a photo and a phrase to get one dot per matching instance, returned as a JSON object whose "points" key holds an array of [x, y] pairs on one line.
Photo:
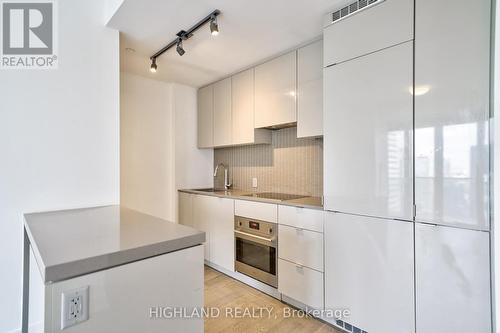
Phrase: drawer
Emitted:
{"points": [[301, 246], [301, 283], [310, 219], [256, 210], [372, 29]]}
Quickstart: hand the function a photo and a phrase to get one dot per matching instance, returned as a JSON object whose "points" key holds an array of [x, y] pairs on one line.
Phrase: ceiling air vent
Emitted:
{"points": [[350, 9]]}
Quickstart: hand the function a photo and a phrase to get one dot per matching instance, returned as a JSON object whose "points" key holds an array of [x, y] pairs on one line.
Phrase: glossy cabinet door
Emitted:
{"points": [[221, 228], [369, 270], [205, 117], [452, 73], [372, 29], [275, 85], [310, 90], [301, 246], [368, 125], [301, 283], [243, 107], [201, 219], [223, 126], [452, 280]]}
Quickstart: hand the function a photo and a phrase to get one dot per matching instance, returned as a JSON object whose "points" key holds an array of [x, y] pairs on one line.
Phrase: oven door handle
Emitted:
{"points": [[259, 239]]}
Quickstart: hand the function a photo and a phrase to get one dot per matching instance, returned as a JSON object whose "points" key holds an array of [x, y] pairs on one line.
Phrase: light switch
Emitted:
{"points": [[74, 307]]}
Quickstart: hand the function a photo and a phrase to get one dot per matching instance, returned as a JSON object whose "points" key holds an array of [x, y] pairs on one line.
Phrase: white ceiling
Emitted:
{"points": [[250, 31]]}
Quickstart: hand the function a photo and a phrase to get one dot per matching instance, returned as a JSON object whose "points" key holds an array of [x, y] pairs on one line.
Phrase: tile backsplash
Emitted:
{"points": [[288, 165]]}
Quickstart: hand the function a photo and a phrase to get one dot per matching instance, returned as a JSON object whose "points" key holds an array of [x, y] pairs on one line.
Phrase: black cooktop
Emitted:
{"points": [[276, 196]]}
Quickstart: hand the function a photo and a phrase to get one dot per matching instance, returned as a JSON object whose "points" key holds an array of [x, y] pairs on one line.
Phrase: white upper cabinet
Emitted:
{"points": [[243, 107], [243, 111], [310, 90], [453, 280], [385, 24], [223, 126], [368, 118], [369, 270], [275, 91], [206, 117], [452, 73]]}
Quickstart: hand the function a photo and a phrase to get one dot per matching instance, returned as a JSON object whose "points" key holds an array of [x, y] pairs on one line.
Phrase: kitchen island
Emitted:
{"points": [[112, 269]]}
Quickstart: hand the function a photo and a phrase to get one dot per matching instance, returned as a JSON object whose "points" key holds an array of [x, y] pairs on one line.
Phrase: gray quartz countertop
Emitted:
{"points": [[305, 202], [75, 242]]}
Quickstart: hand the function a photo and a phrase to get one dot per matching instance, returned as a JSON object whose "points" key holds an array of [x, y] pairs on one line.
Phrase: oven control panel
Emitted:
{"points": [[255, 227]]}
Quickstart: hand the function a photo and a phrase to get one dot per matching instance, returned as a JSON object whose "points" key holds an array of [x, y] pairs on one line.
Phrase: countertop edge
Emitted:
{"points": [[240, 197], [90, 265]]}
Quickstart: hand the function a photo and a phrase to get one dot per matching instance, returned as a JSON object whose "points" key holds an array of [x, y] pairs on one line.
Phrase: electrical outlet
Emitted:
{"points": [[74, 307], [254, 182]]}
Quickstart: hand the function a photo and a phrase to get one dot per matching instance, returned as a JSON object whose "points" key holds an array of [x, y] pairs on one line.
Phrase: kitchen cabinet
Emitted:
{"points": [[452, 98], [275, 92], [206, 117], [185, 212], [221, 220], [368, 126], [214, 216], [300, 251], [202, 210], [369, 269], [243, 105], [385, 24], [302, 218], [300, 246], [310, 90], [223, 127], [256, 210], [301, 283], [452, 280]]}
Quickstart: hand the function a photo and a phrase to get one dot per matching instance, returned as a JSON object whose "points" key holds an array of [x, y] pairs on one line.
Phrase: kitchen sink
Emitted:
{"points": [[215, 190]]}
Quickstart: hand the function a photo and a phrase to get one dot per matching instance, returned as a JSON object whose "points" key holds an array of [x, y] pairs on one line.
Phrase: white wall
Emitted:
{"points": [[59, 137], [158, 145], [194, 167], [147, 146]]}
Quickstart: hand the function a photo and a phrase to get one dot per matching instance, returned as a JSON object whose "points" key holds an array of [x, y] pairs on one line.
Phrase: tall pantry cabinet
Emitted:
{"points": [[452, 97], [406, 143]]}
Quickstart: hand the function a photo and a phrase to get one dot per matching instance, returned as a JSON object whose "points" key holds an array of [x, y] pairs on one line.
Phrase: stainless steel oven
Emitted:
{"points": [[256, 248]]}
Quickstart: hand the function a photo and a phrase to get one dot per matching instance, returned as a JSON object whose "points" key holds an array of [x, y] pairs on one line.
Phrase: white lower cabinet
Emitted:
{"points": [[300, 252], [256, 210], [301, 283], [452, 280], [214, 216], [201, 219], [301, 246], [369, 269], [185, 212], [222, 232]]}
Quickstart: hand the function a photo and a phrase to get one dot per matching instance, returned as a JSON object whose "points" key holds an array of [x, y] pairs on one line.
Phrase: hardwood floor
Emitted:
{"points": [[228, 294]]}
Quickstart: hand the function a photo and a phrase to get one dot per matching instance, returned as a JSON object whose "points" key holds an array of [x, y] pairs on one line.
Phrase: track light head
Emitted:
{"points": [[153, 65], [214, 27], [180, 50]]}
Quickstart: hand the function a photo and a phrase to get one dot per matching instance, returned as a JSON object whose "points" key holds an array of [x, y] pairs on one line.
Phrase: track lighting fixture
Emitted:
{"points": [[184, 35], [214, 27], [153, 65], [179, 48]]}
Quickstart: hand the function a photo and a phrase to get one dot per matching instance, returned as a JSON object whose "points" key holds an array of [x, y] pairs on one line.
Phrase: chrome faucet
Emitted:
{"points": [[227, 185]]}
